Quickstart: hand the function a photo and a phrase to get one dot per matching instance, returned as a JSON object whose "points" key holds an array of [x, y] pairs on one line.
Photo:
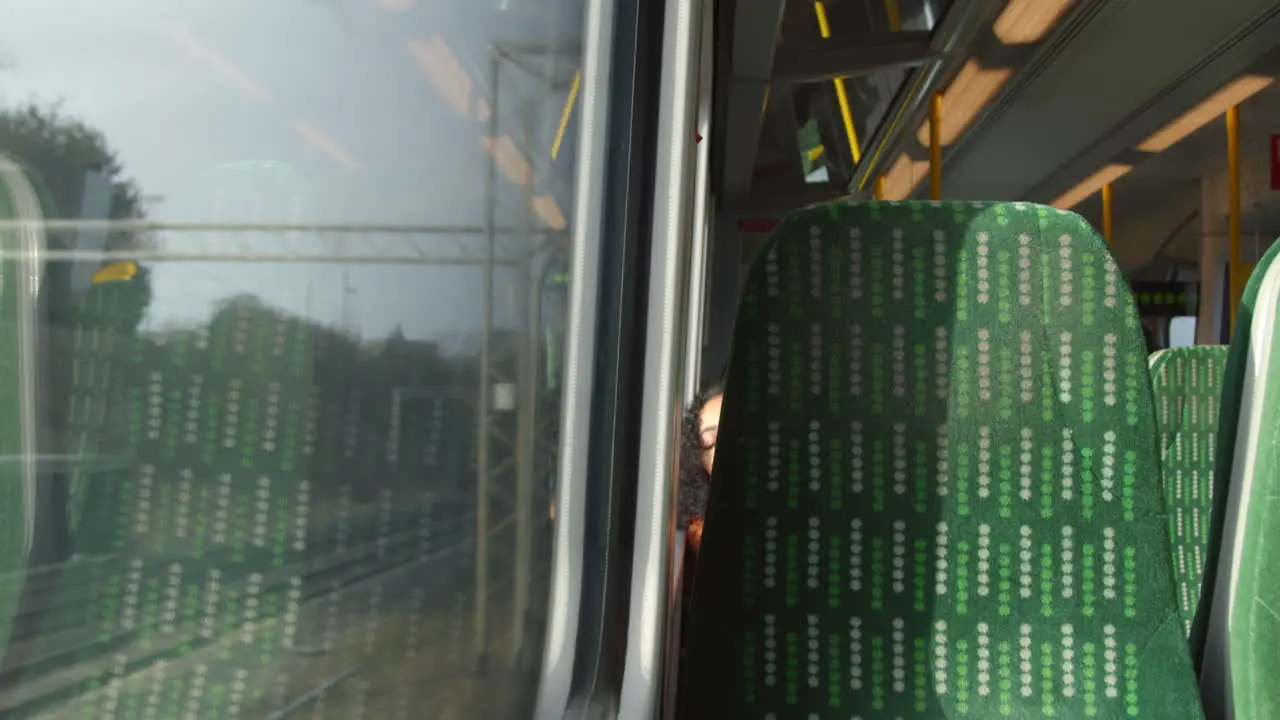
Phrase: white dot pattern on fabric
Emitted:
{"points": [[1024, 270], [942, 361], [1187, 383], [899, 361], [1066, 277], [1024, 467], [1064, 369], [1109, 369], [201, 537], [984, 273], [953, 496], [940, 576], [855, 653], [899, 268], [855, 555], [1068, 465], [940, 266], [984, 365], [1027, 377], [775, 455], [984, 560], [856, 281], [815, 456]]}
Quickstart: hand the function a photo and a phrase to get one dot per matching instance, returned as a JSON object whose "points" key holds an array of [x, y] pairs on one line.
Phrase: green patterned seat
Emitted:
{"points": [[1242, 630], [936, 489], [1187, 385]]}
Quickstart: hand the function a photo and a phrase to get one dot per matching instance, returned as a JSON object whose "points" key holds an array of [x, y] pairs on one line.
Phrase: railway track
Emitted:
{"points": [[172, 619]]}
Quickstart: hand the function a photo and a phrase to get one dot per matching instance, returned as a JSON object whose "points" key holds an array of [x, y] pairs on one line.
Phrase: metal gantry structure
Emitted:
{"points": [[545, 69]]}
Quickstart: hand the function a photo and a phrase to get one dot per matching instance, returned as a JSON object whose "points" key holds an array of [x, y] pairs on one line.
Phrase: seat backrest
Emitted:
{"points": [[936, 490], [1187, 386], [1240, 628]]}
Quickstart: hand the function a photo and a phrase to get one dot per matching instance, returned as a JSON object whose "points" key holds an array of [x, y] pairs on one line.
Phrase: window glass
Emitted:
{"points": [[1182, 331], [265, 265]]}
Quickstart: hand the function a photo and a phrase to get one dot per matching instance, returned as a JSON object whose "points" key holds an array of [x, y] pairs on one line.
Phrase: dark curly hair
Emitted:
{"points": [[694, 478]]}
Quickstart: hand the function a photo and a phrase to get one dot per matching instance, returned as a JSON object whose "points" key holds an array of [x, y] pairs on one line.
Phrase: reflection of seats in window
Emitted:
{"points": [[258, 455]]}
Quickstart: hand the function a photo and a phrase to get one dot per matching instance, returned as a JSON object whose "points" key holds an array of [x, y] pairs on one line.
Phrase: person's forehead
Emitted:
{"points": [[711, 410]]}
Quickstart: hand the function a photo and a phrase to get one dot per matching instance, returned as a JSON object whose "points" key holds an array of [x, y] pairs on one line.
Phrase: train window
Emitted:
{"points": [[285, 305], [1182, 331]]}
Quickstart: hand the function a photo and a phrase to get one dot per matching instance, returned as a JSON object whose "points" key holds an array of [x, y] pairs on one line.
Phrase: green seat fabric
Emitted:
{"points": [[1242, 630], [936, 489], [1187, 386]]}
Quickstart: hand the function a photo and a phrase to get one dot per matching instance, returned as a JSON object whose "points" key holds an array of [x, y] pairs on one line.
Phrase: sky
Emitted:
{"points": [[309, 111]]}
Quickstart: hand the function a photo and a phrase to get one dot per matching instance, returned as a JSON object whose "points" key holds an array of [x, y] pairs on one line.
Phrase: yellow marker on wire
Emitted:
{"points": [[115, 272], [842, 96]]}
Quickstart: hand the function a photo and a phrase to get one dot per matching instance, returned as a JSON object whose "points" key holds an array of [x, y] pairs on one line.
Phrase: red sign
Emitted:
{"points": [[1275, 162]]}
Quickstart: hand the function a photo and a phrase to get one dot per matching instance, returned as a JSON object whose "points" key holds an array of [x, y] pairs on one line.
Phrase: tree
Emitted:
{"points": [[61, 154]]}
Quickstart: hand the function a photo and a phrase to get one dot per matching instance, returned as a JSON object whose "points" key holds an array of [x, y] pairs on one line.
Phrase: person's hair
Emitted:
{"points": [[694, 478]]}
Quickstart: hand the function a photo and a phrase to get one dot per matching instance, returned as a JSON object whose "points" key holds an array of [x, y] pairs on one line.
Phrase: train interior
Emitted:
{"points": [[344, 367]]}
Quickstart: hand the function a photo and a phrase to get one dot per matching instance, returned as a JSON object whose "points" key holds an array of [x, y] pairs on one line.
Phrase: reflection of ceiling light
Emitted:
{"points": [[1236, 92], [324, 144], [508, 157], [1091, 185], [547, 209], [225, 70], [1028, 21], [964, 98], [903, 177], [395, 4], [442, 67]]}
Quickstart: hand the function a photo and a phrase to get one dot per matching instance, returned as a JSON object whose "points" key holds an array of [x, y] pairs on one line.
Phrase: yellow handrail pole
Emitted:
{"points": [[842, 95], [565, 113], [1108, 219], [935, 147], [895, 18], [880, 187], [1236, 276]]}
